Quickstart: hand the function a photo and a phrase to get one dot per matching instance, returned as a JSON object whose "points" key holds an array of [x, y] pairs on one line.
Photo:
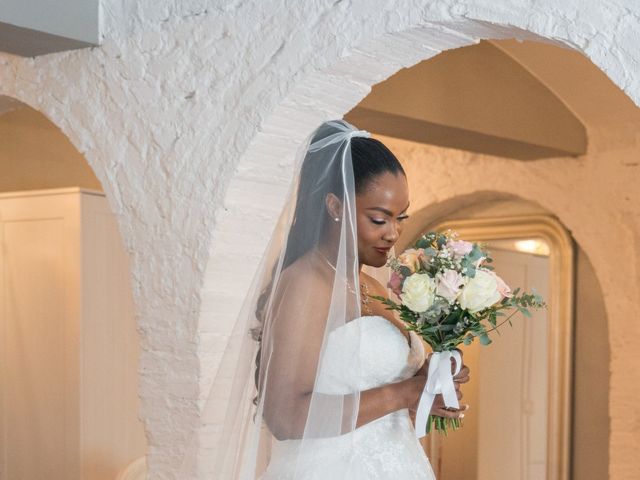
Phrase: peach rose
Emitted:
{"points": [[411, 258]]}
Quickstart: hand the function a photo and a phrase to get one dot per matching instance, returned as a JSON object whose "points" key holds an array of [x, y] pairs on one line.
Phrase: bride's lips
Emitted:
{"points": [[383, 251]]}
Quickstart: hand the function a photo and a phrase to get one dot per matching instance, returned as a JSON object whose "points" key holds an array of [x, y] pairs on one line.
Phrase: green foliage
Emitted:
{"points": [[442, 424], [445, 331], [444, 326]]}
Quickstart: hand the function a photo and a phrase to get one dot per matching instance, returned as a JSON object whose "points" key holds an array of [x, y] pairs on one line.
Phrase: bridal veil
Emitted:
{"points": [[268, 385]]}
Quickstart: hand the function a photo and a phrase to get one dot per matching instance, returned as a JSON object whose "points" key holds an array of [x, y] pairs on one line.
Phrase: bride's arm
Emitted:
{"points": [[380, 401], [297, 336], [408, 392]]}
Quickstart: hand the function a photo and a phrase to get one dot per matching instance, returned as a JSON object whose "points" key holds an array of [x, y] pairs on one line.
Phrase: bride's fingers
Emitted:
{"points": [[464, 372], [453, 413], [441, 410]]}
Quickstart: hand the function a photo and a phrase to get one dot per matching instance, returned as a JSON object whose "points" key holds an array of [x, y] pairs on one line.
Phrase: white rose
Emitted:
{"points": [[418, 292], [449, 284], [480, 292]]}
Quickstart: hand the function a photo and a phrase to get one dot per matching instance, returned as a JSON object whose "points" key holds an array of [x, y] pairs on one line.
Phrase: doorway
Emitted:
{"points": [[521, 388]]}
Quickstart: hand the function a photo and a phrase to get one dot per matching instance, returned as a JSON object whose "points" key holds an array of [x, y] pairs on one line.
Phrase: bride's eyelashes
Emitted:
{"points": [[382, 222]]}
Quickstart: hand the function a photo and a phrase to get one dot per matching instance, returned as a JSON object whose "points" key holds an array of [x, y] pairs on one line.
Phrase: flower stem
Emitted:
{"points": [[501, 323]]}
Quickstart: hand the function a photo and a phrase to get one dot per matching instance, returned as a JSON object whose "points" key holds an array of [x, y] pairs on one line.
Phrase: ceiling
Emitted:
{"points": [[503, 96], [522, 100]]}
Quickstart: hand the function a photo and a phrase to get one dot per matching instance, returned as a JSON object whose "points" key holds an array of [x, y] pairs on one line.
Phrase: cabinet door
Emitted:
{"points": [[39, 331], [112, 434]]}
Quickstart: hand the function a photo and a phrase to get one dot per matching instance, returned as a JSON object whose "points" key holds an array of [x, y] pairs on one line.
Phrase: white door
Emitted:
{"points": [[68, 343], [39, 328]]}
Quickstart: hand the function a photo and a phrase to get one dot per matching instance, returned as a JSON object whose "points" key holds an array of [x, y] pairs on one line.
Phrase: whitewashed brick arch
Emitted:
{"points": [[256, 191], [190, 113]]}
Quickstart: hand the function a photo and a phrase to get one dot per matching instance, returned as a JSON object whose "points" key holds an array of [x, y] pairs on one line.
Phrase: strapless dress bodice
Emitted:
{"points": [[364, 353], [367, 352]]}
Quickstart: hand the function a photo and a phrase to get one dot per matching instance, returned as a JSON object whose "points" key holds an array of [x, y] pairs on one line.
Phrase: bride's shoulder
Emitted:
{"points": [[301, 292], [302, 274]]}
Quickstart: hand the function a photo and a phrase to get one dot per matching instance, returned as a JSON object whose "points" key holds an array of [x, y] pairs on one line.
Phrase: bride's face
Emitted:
{"points": [[381, 211]]}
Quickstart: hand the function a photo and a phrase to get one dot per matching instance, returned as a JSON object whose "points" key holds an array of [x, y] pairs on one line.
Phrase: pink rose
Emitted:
{"points": [[395, 283], [503, 288], [449, 284], [459, 247]]}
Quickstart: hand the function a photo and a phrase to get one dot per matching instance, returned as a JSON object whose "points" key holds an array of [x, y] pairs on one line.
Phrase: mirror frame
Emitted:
{"points": [[560, 315]]}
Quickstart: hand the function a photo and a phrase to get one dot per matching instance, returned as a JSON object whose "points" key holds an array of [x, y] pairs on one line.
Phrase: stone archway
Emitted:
{"points": [[172, 114], [332, 91], [582, 419]]}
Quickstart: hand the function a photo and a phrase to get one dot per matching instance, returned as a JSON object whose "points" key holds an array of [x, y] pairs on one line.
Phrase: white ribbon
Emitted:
{"points": [[439, 380], [346, 131]]}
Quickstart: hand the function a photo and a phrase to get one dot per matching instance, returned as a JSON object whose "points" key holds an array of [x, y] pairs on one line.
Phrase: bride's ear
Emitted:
{"points": [[334, 206]]}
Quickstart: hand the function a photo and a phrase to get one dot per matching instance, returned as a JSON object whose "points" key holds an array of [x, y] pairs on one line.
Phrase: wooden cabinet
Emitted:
{"points": [[68, 342]]}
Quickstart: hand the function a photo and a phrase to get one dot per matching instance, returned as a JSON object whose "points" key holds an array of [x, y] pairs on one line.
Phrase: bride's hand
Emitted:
{"points": [[461, 377], [438, 408]]}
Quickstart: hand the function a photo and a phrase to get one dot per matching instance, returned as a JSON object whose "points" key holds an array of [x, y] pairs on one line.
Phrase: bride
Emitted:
{"points": [[335, 378]]}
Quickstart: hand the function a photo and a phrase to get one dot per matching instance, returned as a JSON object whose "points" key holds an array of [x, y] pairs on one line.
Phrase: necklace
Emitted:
{"points": [[364, 288]]}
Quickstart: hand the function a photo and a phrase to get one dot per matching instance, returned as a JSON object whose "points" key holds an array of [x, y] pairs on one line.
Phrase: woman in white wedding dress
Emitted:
{"points": [[336, 376]]}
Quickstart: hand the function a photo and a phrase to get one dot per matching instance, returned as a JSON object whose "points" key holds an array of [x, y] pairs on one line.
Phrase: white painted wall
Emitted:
{"points": [[190, 112]]}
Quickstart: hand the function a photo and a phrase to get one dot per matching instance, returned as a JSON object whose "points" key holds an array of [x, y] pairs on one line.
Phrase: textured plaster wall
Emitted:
{"points": [[189, 114]]}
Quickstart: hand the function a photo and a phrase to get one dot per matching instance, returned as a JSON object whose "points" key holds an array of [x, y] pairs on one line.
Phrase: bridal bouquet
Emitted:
{"points": [[450, 295]]}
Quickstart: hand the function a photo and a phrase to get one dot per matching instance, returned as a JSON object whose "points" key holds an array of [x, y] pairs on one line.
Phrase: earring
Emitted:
{"points": [[336, 219]]}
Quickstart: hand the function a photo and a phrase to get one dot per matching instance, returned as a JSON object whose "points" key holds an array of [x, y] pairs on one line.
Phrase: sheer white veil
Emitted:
{"points": [[271, 386]]}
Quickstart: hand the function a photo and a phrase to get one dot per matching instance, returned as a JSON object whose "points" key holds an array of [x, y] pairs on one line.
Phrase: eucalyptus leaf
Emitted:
{"points": [[422, 243], [475, 253], [430, 251]]}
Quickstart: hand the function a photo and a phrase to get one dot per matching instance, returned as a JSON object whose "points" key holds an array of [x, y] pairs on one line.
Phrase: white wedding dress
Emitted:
{"points": [[385, 448]]}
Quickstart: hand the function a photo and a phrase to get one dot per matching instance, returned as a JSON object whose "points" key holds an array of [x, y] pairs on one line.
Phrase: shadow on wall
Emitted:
{"points": [[35, 154]]}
